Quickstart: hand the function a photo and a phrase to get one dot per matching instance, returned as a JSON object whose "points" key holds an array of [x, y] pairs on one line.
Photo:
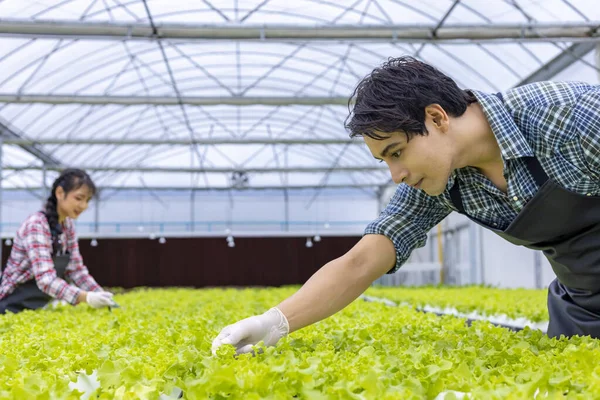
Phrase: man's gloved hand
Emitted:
{"points": [[268, 327], [99, 299]]}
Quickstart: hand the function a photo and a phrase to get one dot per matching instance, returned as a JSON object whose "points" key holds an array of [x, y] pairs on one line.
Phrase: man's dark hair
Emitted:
{"points": [[393, 98]]}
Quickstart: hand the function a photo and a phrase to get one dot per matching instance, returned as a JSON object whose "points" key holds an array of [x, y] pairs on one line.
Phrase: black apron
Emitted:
{"points": [[28, 296], [565, 226]]}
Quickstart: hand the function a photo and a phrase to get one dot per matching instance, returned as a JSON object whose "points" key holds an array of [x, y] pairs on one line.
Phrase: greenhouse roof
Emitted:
{"points": [[246, 94]]}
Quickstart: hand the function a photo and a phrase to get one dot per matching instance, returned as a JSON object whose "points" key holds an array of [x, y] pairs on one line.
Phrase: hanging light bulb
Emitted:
{"points": [[8, 242], [309, 243], [94, 243], [162, 240], [317, 238]]}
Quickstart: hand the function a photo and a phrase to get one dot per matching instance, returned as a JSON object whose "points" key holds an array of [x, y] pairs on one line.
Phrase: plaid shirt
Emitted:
{"points": [[557, 122], [31, 257]]}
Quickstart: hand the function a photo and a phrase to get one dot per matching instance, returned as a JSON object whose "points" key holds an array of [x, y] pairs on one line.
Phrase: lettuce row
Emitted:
{"points": [[160, 340], [514, 303]]}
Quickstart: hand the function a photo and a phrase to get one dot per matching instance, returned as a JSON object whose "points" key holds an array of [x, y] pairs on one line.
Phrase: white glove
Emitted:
{"points": [[268, 327], [99, 299]]}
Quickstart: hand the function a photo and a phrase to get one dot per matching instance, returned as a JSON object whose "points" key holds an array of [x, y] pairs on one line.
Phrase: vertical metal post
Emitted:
{"points": [[481, 257], [1, 200], [431, 249], [472, 252], [45, 180], [286, 197], [380, 205], [537, 269], [192, 192], [455, 272], [440, 249], [192, 210], [97, 212]]}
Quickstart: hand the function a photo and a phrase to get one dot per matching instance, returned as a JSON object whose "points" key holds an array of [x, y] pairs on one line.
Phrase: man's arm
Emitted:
{"points": [[339, 282], [330, 289], [386, 245]]}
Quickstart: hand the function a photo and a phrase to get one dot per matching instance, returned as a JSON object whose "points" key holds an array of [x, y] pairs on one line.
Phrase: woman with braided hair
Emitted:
{"points": [[45, 262]]}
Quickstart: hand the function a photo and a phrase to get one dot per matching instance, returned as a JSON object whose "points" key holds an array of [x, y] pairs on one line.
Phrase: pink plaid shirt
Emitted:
{"points": [[31, 257]]}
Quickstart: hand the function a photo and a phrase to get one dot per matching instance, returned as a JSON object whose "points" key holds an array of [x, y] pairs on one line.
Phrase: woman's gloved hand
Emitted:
{"points": [[99, 299], [268, 327]]}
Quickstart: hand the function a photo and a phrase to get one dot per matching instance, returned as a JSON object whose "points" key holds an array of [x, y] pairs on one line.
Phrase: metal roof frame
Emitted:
{"points": [[171, 100], [181, 142], [256, 170], [406, 33], [9, 133]]}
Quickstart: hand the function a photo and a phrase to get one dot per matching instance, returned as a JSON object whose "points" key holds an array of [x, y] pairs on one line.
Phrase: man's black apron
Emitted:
{"points": [[565, 226], [28, 296]]}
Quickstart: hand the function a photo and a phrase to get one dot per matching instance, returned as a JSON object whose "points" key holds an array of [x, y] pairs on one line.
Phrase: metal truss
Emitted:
{"points": [[256, 170], [563, 31]]}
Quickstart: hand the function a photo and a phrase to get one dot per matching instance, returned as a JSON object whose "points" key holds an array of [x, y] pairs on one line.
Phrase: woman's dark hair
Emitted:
{"points": [[393, 97], [70, 179]]}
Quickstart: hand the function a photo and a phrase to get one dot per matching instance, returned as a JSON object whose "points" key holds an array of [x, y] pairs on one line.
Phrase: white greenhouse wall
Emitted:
{"points": [[345, 211], [507, 265], [475, 255]]}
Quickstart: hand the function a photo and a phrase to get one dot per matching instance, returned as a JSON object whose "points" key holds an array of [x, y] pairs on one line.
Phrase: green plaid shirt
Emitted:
{"points": [[558, 122]]}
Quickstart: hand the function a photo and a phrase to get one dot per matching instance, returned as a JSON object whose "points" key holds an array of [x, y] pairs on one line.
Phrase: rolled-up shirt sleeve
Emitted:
{"points": [[39, 251], [77, 272], [407, 219], [588, 128]]}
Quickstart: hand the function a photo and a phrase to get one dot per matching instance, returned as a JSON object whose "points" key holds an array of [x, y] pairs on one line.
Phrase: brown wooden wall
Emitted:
{"points": [[201, 262]]}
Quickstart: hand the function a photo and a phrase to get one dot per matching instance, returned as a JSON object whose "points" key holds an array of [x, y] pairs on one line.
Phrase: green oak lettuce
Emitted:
{"points": [[160, 340]]}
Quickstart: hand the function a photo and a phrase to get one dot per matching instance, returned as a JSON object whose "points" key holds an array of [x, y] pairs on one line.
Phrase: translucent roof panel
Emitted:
{"points": [[302, 11], [63, 81], [109, 68]]}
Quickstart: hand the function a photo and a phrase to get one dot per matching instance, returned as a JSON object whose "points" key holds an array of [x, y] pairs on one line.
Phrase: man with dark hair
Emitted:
{"points": [[524, 163]]}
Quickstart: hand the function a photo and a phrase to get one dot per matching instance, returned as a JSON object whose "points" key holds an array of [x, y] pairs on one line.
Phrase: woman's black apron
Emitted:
{"points": [[565, 226], [28, 296]]}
